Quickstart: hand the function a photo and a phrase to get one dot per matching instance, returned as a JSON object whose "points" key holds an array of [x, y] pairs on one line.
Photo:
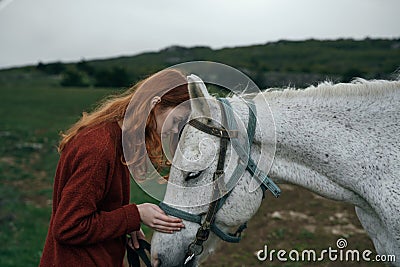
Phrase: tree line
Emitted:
{"points": [[82, 74], [279, 63]]}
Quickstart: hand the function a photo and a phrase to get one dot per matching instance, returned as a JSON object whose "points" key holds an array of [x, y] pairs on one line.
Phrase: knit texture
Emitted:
{"points": [[91, 212]]}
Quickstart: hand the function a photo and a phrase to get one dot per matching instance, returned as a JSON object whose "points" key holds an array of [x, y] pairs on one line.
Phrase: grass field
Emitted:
{"points": [[31, 119]]}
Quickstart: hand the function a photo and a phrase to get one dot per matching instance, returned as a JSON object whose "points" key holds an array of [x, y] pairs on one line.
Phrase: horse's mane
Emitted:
{"points": [[328, 89]]}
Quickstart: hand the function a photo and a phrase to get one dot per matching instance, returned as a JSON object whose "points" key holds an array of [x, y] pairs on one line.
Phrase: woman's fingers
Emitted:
{"points": [[173, 224], [134, 239], [164, 223], [133, 242], [140, 234], [166, 229], [165, 217], [169, 219], [153, 216]]}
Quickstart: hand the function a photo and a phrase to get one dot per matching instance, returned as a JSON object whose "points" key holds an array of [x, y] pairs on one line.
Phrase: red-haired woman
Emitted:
{"points": [[91, 213]]}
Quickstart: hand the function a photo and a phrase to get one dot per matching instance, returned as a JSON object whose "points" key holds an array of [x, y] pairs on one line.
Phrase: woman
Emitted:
{"points": [[91, 212]]}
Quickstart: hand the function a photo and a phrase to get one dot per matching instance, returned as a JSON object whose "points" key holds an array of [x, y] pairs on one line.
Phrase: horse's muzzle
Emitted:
{"points": [[161, 261]]}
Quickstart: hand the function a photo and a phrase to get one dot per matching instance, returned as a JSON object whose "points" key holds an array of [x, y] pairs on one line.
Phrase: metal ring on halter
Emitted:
{"points": [[195, 248], [193, 251]]}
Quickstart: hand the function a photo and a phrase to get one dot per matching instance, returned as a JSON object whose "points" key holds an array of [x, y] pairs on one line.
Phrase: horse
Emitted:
{"points": [[340, 141]]}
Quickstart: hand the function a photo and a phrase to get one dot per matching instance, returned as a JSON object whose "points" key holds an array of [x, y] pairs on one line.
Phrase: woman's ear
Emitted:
{"points": [[154, 101]]}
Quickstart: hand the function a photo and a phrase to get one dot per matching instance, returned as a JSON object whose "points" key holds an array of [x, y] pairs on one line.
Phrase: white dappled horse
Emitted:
{"points": [[340, 141]]}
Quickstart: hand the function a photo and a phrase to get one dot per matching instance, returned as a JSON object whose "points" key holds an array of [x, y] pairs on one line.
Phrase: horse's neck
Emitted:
{"points": [[329, 138]]}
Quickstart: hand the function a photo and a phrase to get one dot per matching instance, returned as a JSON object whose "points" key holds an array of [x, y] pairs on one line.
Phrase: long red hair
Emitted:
{"points": [[134, 107]]}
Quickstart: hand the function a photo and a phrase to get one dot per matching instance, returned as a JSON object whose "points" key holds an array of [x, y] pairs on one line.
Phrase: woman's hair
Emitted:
{"points": [[135, 108]]}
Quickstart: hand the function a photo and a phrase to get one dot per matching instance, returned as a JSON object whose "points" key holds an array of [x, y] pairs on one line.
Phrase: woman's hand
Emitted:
{"points": [[135, 236], [154, 217]]}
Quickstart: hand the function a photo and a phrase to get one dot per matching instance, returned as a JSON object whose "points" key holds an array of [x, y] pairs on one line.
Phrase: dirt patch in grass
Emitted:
{"points": [[297, 220], [29, 180]]}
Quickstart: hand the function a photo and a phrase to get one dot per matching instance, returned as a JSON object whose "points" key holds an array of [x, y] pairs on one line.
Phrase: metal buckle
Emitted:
{"points": [[203, 232], [219, 173], [217, 131]]}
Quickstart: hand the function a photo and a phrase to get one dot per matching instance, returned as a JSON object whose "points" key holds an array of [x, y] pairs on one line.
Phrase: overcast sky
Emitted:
{"points": [[69, 30]]}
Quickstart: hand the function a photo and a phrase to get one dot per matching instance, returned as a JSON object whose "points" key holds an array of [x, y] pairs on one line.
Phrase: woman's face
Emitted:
{"points": [[168, 120]]}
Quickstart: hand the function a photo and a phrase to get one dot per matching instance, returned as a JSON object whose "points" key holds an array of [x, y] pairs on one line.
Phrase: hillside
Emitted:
{"points": [[282, 63]]}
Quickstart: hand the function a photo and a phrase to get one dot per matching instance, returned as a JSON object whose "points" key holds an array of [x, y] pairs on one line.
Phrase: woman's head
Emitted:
{"points": [[164, 97], [157, 109], [152, 107]]}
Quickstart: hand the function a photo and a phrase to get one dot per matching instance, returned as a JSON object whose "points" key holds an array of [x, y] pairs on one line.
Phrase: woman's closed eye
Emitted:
{"points": [[192, 175]]}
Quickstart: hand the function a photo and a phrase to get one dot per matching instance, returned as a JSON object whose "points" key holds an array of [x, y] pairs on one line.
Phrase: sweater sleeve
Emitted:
{"points": [[77, 220]]}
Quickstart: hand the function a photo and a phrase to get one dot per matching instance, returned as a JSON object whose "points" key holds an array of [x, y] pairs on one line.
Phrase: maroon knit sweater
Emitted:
{"points": [[91, 210]]}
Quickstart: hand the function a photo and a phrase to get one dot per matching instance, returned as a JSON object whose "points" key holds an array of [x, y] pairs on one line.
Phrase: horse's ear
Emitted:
{"points": [[198, 95]]}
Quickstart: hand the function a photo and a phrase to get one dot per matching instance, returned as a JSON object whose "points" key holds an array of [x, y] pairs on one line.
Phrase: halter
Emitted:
{"points": [[245, 163]]}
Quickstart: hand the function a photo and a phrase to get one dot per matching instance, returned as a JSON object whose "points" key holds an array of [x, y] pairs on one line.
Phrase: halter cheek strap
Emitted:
{"points": [[196, 247], [251, 166]]}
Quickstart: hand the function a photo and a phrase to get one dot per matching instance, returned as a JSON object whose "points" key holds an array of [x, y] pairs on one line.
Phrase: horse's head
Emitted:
{"points": [[192, 181]]}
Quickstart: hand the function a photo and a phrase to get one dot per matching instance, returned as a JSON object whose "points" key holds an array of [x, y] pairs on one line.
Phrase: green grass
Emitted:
{"points": [[31, 119]]}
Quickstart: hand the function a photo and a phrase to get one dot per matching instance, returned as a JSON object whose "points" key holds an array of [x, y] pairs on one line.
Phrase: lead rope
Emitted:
{"points": [[134, 255]]}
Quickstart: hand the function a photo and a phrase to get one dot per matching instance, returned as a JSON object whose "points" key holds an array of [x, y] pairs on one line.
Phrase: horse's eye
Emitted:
{"points": [[192, 175]]}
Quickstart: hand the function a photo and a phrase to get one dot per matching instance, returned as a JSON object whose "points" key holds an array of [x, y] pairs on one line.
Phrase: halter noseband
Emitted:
{"points": [[220, 188]]}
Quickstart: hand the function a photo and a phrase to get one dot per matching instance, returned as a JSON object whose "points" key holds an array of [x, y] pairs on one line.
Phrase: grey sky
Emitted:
{"points": [[51, 30]]}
